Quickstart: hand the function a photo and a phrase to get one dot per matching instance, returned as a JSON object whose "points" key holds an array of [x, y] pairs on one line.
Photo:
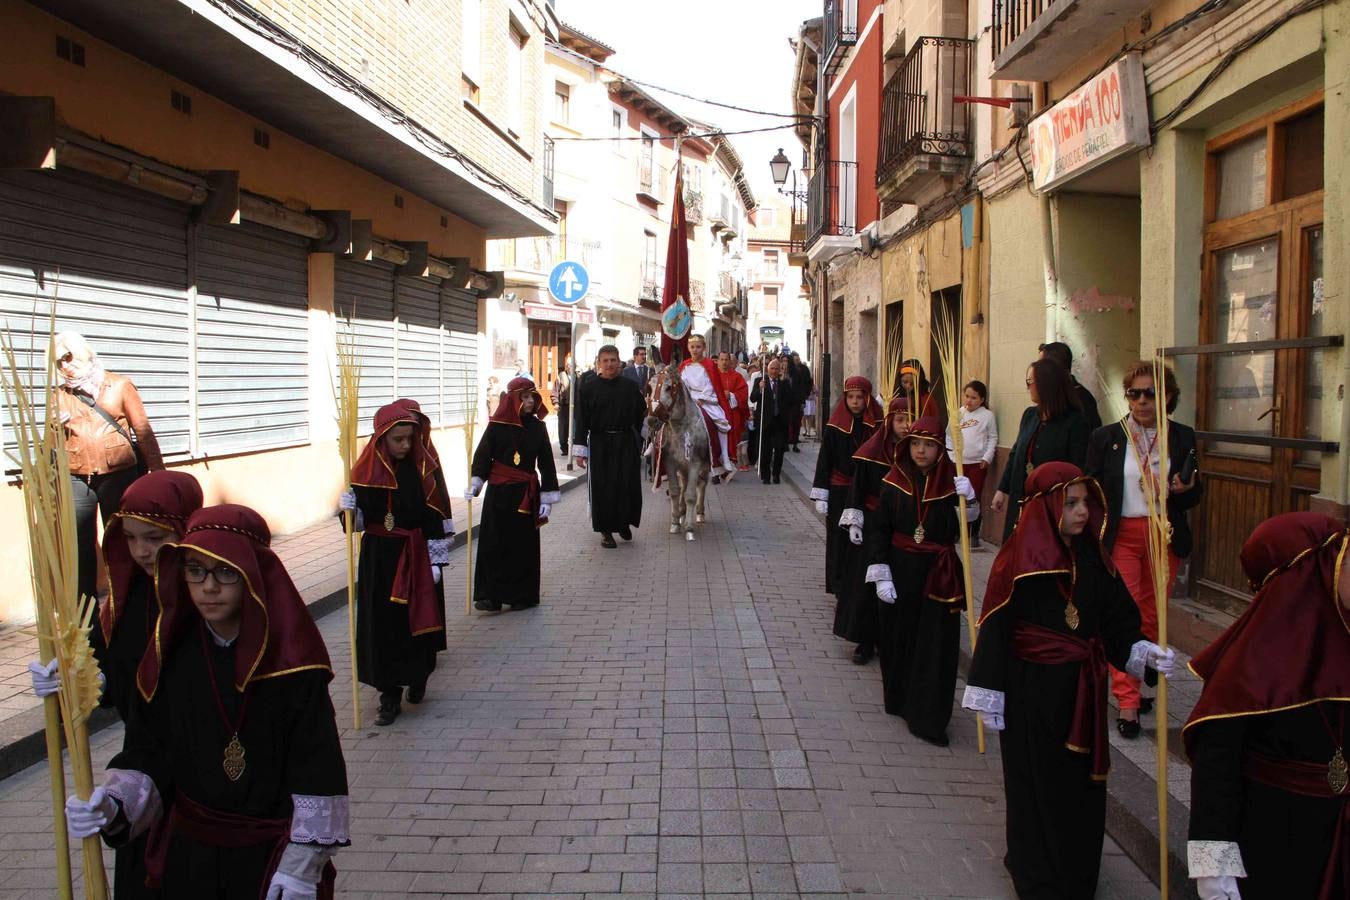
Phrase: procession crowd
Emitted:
{"points": [[231, 780]]}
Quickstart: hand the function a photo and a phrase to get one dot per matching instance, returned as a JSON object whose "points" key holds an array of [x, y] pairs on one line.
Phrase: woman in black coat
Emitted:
{"points": [[1053, 430], [1116, 455]]}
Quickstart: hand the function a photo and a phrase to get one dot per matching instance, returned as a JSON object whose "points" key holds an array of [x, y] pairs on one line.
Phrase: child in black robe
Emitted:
{"points": [[1270, 791], [515, 461], [398, 491], [1055, 613], [917, 572], [232, 762]]}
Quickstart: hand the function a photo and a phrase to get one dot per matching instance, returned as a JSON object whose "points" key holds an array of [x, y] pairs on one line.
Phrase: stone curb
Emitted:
{"points": [[23, 737]]}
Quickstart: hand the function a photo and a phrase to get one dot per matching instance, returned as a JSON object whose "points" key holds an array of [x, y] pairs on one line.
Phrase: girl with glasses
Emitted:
{"points": [[1125, 459]]}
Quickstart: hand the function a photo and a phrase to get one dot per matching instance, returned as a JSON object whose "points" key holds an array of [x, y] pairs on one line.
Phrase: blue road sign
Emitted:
{"points": [[569, 282]]}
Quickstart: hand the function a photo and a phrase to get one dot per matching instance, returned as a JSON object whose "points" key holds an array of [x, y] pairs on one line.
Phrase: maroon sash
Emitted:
{"points": [[839, 479], [502, 474], [221, 829], [1309, 780], [714, 445], [871, 503], [945, 583], [1087, 732], [413, 585]]}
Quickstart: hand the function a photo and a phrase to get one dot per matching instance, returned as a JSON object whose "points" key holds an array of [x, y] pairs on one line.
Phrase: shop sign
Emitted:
{"points": [[1103, 120], [569, 314]]}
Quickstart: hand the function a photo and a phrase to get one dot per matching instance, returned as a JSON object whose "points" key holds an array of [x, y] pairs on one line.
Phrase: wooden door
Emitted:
{"points": [[544, 359]]}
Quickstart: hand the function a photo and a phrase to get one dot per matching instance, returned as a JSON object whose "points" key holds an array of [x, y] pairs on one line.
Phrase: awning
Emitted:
{"points": [[234, 56]]}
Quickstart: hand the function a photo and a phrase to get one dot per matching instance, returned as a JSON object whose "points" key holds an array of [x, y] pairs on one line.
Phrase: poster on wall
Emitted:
{"points": [[505, 351]]}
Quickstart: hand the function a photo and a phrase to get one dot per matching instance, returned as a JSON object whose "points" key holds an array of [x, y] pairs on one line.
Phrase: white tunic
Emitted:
{"points": [[705, 395]]}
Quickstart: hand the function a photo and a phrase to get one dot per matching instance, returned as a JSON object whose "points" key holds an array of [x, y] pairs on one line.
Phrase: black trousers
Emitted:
{"points": [[775, 444], [564, 426], [104, 493]]}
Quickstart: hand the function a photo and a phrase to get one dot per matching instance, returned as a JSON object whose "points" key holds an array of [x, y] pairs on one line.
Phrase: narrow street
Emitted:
{"points": [[674, 720]]}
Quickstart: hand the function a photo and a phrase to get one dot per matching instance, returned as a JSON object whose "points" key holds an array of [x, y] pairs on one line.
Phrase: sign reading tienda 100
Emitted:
{"points": [[1101, 121]]}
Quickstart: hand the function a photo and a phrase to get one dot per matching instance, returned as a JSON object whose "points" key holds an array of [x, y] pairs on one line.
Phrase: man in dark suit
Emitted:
{"points": [[639, 372], [1060, 352], [773, 399]]}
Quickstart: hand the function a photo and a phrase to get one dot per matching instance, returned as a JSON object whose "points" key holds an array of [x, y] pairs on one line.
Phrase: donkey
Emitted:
{"points": [[685, 454]]}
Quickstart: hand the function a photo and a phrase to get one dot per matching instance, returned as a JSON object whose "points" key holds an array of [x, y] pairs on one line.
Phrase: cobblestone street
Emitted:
{"points": [[675, 719]]}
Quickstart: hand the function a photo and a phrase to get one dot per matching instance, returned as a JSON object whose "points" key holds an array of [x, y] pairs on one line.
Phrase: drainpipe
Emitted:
{"points": [[1049, 252], [823, 372]]}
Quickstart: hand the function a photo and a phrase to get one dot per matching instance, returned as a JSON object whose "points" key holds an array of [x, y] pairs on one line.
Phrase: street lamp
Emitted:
{"points": [[780, 165]]}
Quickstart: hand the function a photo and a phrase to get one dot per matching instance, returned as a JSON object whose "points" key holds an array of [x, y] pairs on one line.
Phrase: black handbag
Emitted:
{"points": [[90, 402]]}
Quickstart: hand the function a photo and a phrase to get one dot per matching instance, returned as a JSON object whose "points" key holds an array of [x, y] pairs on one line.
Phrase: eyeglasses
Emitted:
{"points": [[1140, 393], [1031, 382], [195, 573]]}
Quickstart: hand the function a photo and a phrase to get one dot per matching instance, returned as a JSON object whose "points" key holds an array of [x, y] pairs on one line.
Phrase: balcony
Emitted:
{"points": [[651, 180], [653, 286], [925, 140], [548, 171], [797, 235], [840, 33], [538, 256], [832, 206], [693, 207], [698, 299], [1036, 40]]}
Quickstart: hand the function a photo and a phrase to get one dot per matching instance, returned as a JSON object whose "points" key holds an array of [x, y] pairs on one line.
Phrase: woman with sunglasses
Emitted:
{"points": [[232, 763], [1124, 457]]}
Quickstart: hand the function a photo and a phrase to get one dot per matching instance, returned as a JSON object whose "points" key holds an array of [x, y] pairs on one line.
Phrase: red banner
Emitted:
{"points": [[676, 288]]}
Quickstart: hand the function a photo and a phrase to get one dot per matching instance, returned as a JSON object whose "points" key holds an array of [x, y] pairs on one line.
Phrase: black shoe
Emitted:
{"points": [[796, 449], [1128, 730], [626, 533], [390, 706], [717, 479], [862, 655], [937, 740], [764, 480], [487, 606], [1145, 705], [608, 541], [777, 480], [417, 692]]}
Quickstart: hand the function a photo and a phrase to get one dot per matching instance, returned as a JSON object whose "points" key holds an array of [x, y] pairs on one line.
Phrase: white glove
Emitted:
{"points": [[86, 818], [1217, 887], [347, 500], [1163, 661], [963, 487], [731, 401], [750, 425], [823, 507], [993, 721], [435, 573], [46, 679], [886, 591], [545, 509], [288, 887], [855, 535]]}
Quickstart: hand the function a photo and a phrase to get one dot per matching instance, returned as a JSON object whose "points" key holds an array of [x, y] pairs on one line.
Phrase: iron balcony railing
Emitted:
{"points": [[653, 283], [840, 32], [832, 201], [693, 207], [1012, 17], [548, 172], [919, 112]]}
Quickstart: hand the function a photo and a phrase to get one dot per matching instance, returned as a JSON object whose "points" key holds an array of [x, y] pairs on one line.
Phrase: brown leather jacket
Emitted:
{"points": [[94, 446]]}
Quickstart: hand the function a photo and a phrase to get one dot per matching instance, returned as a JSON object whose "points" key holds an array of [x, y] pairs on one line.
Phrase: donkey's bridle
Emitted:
{"points": [[660, 411]]}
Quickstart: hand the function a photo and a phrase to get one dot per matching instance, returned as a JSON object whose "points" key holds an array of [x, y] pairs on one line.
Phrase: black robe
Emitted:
{"points": [[919, 638], [836, 456], [1056, 814], [609, 419], [118, 661], [855, 615], [1062, 439], [388, 655], [1285, 838], [291, 746], [507, 570]]}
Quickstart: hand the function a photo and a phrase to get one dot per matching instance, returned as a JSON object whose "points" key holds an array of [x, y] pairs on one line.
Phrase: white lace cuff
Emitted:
{"points": [[475, 484], [550, 497], [320, 820], [1214, 859], [580, 451], [878, 573], [140, 799], [1138, 659], [982, 700], [305, 861], [851, 517], [820, 493], [439, 551], [448, 526]]}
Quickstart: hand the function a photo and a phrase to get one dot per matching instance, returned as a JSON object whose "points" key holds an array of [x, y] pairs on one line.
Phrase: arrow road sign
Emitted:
{"points": [[569, 282]]}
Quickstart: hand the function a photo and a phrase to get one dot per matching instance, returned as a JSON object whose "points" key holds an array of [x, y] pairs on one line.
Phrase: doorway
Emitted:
{"points": [[544, 358], [945, 307]]}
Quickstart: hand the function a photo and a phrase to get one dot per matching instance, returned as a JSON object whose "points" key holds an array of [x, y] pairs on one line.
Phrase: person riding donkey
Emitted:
{"points": [[704, 382]]}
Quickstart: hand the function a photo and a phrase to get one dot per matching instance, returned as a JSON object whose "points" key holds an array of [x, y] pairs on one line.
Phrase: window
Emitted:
{"points": [[647, 163], [471, 38], [616, 118], [771, 268], [771, 299], [562, 103], [515, 80], [764, 217], [560, 207]]}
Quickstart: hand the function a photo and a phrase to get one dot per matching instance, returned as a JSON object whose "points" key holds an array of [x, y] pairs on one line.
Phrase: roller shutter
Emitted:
{"points": [[252, 338], [116, 261], [459, 313], [420, 341], [368, 289]]}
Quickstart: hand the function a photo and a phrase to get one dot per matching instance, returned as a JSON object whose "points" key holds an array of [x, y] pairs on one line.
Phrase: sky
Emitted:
{"points": [[732, 51]]}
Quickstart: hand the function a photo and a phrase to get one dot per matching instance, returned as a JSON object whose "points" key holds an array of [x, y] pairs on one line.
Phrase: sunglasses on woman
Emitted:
{"points": [[195, 573], [1139, 393]]}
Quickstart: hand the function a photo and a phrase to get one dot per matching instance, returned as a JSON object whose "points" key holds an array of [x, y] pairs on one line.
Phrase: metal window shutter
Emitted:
{"points": [[420, 342], [115, 260], [459, 313], [368, 288], [252, 338]]}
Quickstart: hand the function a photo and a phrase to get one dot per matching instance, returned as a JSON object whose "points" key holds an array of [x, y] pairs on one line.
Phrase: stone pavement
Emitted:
{"points": [[675, 720]]}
